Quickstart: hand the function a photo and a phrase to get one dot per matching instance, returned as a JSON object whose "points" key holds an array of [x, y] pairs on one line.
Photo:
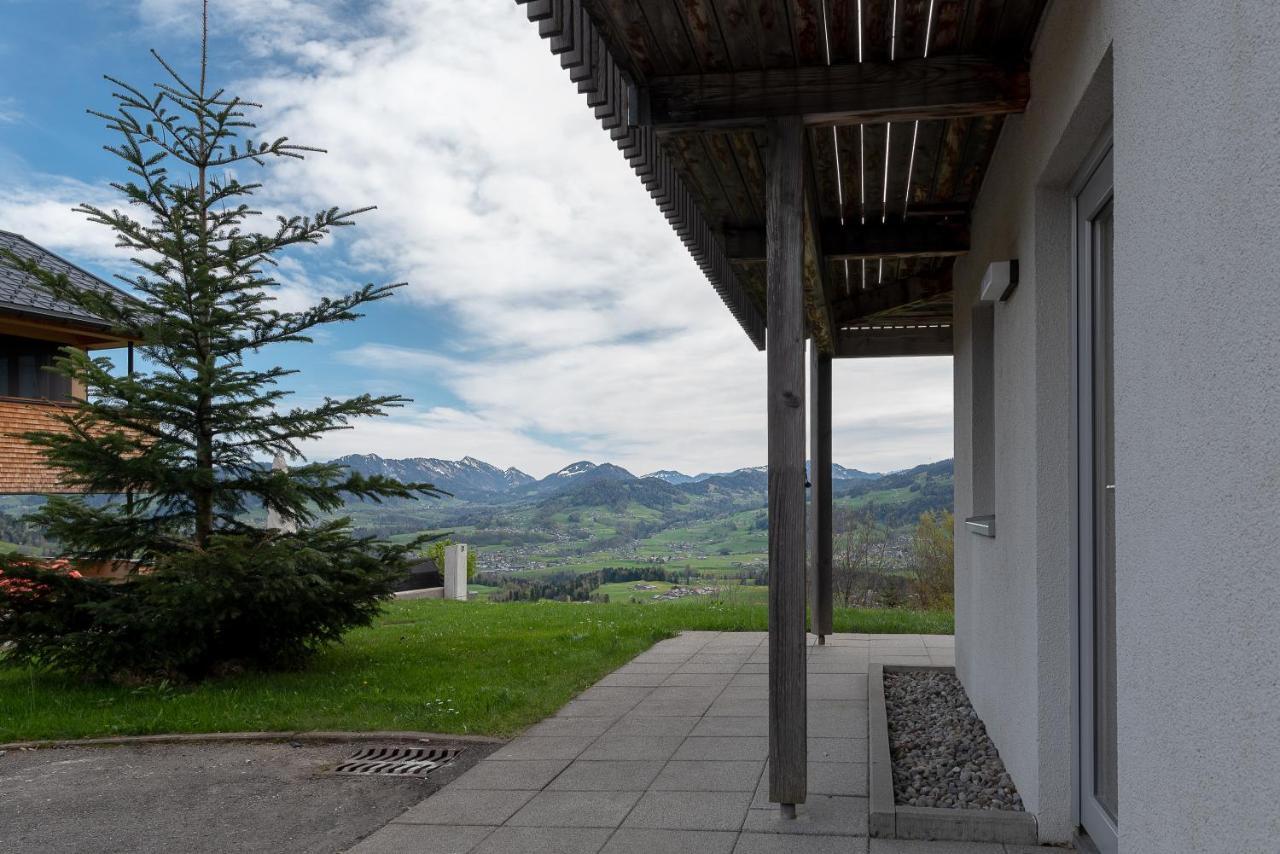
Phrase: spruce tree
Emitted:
{"points": [[188, 438]]}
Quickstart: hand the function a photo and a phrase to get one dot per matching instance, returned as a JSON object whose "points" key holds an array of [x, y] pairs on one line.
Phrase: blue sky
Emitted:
{"points": [[551, 315]]}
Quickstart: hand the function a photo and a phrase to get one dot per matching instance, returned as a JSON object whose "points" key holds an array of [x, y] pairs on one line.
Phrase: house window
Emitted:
{"points": [[24, 373], [984, 411]]}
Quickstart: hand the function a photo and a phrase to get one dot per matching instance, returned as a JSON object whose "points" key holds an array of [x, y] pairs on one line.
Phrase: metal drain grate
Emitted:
{"points": [[398, 761]]}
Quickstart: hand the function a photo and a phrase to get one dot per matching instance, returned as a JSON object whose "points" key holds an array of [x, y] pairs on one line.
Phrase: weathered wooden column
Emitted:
{"points": [[784, 203], [819, 492]]}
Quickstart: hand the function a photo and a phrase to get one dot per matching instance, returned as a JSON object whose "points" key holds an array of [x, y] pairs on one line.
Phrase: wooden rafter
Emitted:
{"points": [[935, 88], [575, 37], [917, 239], [882, 342], [859, 305], [817, 287]]}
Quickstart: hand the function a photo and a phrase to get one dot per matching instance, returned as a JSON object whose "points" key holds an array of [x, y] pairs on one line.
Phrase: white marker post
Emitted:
{"points": [[455, 572], [274, 519]]}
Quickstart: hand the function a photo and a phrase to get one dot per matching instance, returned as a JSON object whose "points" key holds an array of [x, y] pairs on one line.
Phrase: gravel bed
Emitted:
{"points": [[942, 755]]}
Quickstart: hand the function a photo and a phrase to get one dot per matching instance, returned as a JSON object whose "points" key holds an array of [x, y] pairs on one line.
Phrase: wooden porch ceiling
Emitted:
{"points": [[904, 101]]}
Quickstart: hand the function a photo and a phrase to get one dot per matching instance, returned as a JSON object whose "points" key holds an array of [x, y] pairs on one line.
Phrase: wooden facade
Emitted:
{"points": [[819, 159], [33, 326]]}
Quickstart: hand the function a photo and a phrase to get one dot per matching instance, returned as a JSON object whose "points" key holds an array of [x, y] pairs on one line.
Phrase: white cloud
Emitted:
{"points": [[448, 434], [579, 325], [41, 209], [582, 316]]}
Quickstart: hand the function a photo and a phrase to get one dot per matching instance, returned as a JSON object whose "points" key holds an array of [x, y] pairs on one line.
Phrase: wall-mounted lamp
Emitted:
{"points": [[999, 282]]}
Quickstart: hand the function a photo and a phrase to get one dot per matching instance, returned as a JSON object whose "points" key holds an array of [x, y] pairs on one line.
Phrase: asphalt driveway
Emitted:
{"points": [[196, 798]]}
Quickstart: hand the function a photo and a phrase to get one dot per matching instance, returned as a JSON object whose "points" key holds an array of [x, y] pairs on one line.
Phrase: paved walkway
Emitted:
{"points": [[668, 754]]}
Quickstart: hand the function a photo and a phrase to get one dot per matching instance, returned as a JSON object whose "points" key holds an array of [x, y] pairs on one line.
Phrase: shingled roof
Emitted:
{"points": [[20, 293]]}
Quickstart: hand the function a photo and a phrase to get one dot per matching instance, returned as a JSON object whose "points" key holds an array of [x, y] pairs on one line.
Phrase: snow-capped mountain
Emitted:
{"points": [[838, 472], [580, 472], [466, 478], [475, 480], [670, 476]]}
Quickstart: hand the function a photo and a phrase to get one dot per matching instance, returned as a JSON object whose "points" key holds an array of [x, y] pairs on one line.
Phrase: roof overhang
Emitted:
{"points": [[903, 103], [71, 331]]}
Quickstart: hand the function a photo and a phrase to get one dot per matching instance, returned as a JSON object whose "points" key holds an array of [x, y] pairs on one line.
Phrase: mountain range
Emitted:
{"points": [[471, 479]]}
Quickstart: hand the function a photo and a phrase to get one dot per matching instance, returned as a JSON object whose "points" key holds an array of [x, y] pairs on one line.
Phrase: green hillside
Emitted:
{"points": [[717, 527]]}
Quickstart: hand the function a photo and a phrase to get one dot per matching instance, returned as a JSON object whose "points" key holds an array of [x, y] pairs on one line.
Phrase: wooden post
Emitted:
{"points": [[784, 203], [820, 492]]}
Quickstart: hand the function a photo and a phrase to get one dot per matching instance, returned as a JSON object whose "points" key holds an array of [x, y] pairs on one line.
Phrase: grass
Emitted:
{"points": [[426, 665]]}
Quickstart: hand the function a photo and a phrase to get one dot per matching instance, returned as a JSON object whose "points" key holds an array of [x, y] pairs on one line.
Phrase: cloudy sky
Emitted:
{"points": [[551, 314]]}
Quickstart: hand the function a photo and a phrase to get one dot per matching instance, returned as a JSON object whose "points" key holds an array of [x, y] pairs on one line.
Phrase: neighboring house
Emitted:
{"points": [[423, 575], [853, 171], [33, 326]]}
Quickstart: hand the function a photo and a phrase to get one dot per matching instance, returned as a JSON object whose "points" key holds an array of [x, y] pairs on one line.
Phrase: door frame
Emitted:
{"points": [[1087, 199]]}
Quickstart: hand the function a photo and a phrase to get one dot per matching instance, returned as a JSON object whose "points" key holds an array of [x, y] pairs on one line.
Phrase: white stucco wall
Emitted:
{"points": [[1013, 593], [1197, 155], [1196, 109]]}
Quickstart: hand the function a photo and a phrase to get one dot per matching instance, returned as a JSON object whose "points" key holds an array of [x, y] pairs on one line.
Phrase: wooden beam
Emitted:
{"points": [[887, 342], [788, 725], [900, 293], [942, 87], [874, 240], [816, 293], [819, 493]]}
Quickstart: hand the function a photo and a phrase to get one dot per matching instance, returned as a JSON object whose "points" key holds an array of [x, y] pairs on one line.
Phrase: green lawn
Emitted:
{"points": [[426, 665]]}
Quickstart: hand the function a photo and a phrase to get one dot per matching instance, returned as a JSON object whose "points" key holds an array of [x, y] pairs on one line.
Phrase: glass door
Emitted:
{"points": [[1095, 518]]}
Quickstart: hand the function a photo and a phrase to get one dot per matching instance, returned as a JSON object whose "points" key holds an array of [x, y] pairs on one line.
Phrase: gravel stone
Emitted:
{"points": [[942, 755]]}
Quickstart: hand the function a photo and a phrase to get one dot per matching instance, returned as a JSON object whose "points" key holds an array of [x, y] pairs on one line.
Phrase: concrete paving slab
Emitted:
{"points": [[744, 692], [691, 707], [773, 843], [723, 748], [690, 810], [731, 725], [732, 708], [595, 708], [913, 846], [648, 840], [837, 686], [543, 840], [420, 839], [698, 680], [542, 747], [718, 664], [511, 774], [678, 693], [632, 747], [877, 658], [575, 809], [824, 815], [853, 665], [676, 748], [825, 778], [607, 775], [633, 680], [653, 725], [617, 694], [666, 668], [837, 750], [467, 806], [690, 776], [585, 727], [673, 657]]}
